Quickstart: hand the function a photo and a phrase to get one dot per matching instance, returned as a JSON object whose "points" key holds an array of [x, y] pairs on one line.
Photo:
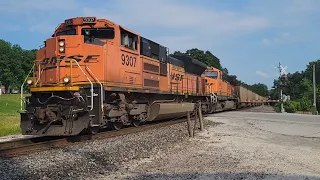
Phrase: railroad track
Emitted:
{"points": [[20, 147]]}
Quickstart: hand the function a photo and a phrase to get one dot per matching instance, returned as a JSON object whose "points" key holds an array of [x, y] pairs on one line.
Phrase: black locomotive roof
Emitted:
{"points": [[192, 65], [175, 61]]}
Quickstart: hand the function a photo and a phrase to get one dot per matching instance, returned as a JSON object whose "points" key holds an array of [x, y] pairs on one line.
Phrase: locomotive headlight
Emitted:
{"points": [[29, 81], [61, 43], [66, 80], [61, 49]]}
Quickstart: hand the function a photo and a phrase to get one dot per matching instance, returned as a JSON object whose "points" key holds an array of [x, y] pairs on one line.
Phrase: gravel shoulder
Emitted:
{"points": [[228, 148], [263, 108], [235, 149]]}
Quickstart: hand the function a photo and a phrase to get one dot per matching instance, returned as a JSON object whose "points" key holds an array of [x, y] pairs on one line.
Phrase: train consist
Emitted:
{"points": [[93, 74]]}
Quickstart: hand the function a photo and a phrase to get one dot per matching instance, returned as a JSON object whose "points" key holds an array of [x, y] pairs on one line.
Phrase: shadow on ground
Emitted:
{"points": [[207, 176]]}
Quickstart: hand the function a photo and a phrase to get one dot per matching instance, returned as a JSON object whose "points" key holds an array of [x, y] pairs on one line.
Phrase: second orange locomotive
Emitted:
{"points": [[93, 73]]}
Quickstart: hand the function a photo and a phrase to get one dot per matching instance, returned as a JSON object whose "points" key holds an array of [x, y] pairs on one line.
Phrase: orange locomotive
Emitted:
{"points": [[93, 73]]}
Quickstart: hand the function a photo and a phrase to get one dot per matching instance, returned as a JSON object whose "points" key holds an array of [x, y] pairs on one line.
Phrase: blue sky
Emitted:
{"points": [[249, 36]]}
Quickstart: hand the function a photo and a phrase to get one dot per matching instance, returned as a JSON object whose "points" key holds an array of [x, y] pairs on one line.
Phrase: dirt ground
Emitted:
{"points": [[229, 148]]}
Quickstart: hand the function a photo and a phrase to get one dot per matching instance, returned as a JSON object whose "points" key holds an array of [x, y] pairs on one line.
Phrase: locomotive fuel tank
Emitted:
{"points": [[169, 110]]}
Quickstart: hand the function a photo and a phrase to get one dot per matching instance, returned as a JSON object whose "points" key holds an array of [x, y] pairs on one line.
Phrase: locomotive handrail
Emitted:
{"points": [[40, 73], [88, 80], [21, 88], [101, 87]]}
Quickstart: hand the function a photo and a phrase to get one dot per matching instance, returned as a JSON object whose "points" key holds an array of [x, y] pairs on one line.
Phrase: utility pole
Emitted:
{"points": [[281, 81], [314, 90]]}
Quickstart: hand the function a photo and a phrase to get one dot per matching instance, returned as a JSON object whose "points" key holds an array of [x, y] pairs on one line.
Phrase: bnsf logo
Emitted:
{"points": [[178, 77], [78, 58]]}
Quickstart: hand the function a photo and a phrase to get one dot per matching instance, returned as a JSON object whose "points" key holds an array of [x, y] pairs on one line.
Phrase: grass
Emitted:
{"points": [[9, 115]]}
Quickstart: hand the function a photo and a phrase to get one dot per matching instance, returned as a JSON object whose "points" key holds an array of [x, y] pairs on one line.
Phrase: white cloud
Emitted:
{"points": [[197, 26], [281, 39], [176, 15], [262, 74], [32, 6]]}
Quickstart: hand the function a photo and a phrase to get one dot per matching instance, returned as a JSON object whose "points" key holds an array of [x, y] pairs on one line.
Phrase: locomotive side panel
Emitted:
{"points": [[224, 88], [92, 58], [212, 86], [191, 84], [151, 81], [230, 90], [48, 75], [151, 69], [164, 76], [195, 84], [176, 79], [128, 64]]}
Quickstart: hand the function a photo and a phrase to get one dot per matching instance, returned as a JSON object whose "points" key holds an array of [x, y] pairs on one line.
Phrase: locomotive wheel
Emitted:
{"points": [[136, 123], [117, 125]]}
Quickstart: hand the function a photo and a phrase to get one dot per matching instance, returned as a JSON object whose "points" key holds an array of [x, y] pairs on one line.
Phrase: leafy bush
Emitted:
{"points": [[305, 104], [292, 106], [277, 107], [289, 106]]}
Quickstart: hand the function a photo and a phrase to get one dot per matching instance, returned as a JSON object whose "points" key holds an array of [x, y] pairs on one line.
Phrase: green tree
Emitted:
{"points": [[305, 104], [15, 63], [260, 89], [204, 56], [300, 88]]}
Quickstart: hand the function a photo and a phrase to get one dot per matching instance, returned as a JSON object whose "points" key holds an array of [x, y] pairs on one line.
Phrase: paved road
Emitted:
{"points": [[286, 123]]}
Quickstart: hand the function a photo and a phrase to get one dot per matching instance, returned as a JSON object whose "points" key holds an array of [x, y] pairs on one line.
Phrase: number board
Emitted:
{"points": [[89, 20], [128, 60], [68, 22]]}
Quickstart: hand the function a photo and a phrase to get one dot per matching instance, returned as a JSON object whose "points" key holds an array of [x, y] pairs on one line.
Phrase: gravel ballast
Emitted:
{"points": [[90, 158], [228, 148]]}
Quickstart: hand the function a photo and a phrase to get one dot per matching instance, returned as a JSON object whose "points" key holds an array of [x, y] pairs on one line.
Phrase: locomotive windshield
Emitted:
{"points": [[67, 32], [93, 35], [100, 33], [213, 74]]}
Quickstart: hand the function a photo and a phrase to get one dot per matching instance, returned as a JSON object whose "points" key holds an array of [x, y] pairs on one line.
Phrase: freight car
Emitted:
{"points": [[248, 98], [93, 73]]}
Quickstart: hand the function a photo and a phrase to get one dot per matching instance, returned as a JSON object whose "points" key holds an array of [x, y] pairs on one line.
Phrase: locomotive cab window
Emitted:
{"points": [[92, 35], [67, 32], [129, 40], [213, 74]]}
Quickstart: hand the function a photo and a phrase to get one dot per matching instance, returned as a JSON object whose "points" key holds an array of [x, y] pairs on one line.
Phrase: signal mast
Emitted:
{"points": [[283, 79]]}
